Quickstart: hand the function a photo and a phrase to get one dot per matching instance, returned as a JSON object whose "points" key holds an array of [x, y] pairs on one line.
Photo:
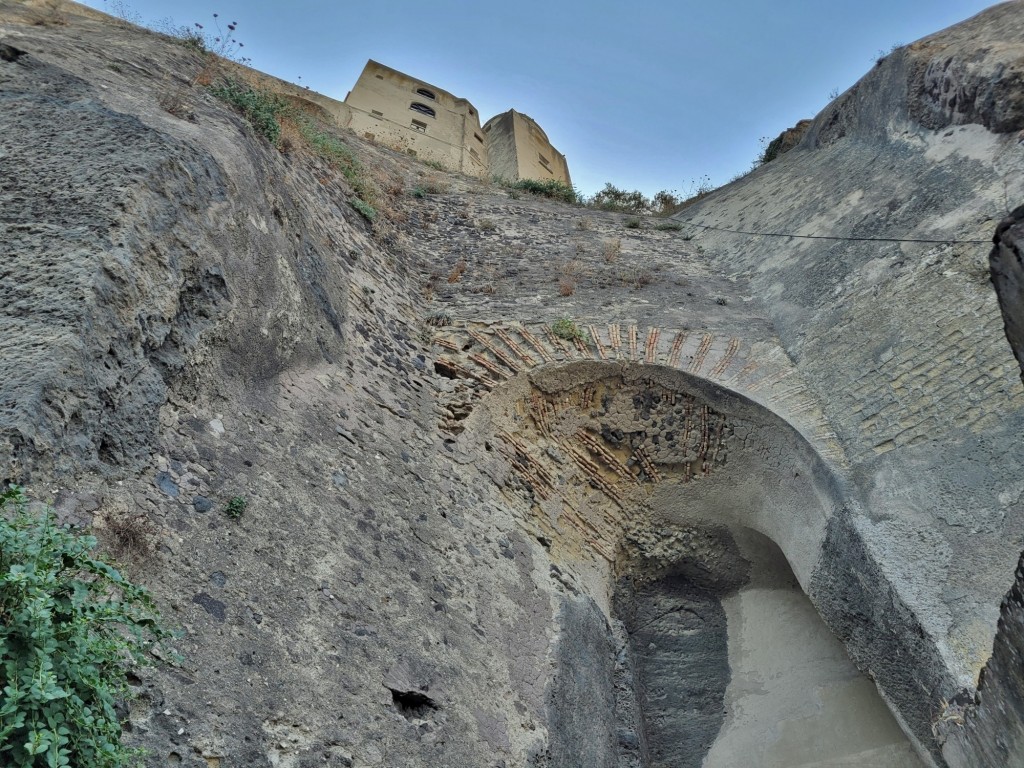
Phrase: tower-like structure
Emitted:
{"points": [[519, 149], [405, 113]]}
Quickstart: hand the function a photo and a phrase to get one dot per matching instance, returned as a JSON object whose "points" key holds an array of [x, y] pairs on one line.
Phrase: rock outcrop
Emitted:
{"points": [[1006, 262]]}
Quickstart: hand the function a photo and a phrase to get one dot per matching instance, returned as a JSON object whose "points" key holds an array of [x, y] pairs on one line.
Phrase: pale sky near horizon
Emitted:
{"points": [[648, 95]]}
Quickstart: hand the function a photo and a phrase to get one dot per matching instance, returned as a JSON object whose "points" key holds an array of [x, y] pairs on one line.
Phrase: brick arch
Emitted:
{"points": [[608, 459], [597, 450]]}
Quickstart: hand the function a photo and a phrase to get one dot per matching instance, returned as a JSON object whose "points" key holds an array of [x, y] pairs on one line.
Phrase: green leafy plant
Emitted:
{"points": [[261, 108], [368, 211], [633, 223], [235, 507], [340, 157], [668, 226], [70, 628], [566, 328], [552, 188]]}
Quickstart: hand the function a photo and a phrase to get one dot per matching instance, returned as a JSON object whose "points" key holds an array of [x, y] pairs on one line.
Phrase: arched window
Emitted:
{"points": [[426, 94], [423, 109]]}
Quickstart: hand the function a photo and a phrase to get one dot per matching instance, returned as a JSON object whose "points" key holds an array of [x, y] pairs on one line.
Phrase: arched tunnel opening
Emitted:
{"points": [[724, 661], [687, 525]]}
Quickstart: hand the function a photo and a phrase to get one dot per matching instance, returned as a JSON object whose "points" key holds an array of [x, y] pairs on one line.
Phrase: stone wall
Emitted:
{"points": [[521, 150]]}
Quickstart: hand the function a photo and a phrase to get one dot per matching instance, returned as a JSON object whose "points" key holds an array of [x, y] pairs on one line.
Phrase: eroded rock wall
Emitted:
{"points": [[442, 490], [1006, 263]]}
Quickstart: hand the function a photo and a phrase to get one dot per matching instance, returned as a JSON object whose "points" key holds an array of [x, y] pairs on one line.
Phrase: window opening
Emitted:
{"points": [[376, 113], [426, 94], [418, 126], [479, 137], [423, 109]]}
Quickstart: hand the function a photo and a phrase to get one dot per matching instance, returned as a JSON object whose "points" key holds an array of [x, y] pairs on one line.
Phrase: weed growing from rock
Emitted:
{"points": [[566, 328], [235, 507], [261, 108], [71, 628], [552, 188], [611, 249], [457, 271], [368, 211], [570, 277]]}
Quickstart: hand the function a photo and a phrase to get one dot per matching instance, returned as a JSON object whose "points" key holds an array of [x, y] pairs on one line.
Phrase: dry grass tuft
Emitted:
{"points": [[129, 536], [611, 249], [572, 271], [49, 13], [457, 271], [290, 140]]}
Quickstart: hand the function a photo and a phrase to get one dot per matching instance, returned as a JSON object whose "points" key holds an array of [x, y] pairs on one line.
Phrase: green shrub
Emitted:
{"points": [[668, 226], [611, 198], [70, 626], [261, 108], [566, 328], [338, 154], [633, 223], [235, 507], [552, 188], [368, 211]]}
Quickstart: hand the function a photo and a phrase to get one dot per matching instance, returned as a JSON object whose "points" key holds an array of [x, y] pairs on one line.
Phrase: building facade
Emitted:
{"points": [[410, 115], [519, 149], [405, 113]]}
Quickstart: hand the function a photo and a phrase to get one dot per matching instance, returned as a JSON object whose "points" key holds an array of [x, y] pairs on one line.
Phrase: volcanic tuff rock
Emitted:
{"points": [[525, 486]]}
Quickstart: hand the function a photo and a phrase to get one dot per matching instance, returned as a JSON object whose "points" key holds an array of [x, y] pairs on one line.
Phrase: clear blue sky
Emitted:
{"points": [[647, 95]]}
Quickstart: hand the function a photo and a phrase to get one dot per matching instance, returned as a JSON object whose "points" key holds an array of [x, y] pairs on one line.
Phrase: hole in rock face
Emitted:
{"points": [[444, 370], [413, 704]]}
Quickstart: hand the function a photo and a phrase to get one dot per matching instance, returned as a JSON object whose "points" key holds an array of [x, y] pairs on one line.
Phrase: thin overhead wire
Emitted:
{"points": [[948, 241]]}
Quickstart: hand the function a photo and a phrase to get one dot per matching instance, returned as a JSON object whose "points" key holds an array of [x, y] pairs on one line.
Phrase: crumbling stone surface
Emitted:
{"points": [[990, 730], [786, 140]]}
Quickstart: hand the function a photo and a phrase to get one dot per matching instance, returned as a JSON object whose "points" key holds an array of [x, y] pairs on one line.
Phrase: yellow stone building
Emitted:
{"points": [[519, 149], [400, 111]]}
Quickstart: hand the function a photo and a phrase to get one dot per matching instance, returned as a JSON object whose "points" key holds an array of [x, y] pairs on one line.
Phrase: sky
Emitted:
{"points": [[645, 95]]}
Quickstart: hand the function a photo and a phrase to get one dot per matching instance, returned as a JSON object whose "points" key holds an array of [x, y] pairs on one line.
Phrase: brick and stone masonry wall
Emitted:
{"points": [[991, 732]]}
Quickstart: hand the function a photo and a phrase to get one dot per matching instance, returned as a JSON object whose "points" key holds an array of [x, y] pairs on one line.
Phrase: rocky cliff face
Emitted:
{"points": [[522, 483], [1006, 263]]}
